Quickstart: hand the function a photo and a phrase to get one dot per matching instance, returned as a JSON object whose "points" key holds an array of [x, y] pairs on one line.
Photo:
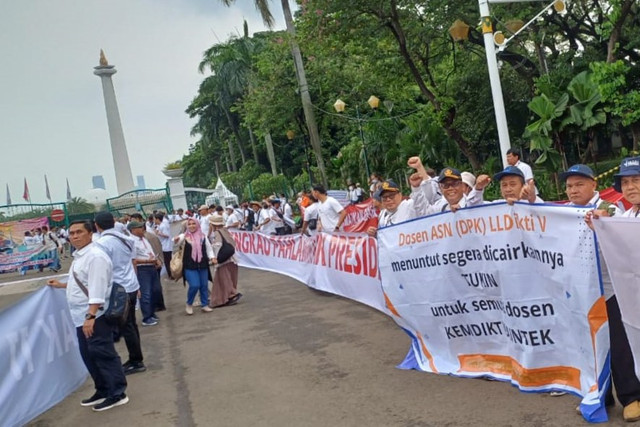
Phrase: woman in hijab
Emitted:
{"points": [[197, 256], [225, 281]]}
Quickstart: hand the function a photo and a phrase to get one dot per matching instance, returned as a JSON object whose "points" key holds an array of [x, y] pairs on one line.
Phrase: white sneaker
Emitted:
{"points": [[207, 309], [189, 309], [196, 303]]}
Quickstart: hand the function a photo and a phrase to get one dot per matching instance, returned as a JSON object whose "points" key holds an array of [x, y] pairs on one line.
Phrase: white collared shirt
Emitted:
{"points": [[143, 249], [94, 269], [404, 212], [121, 256], [164, 234]]}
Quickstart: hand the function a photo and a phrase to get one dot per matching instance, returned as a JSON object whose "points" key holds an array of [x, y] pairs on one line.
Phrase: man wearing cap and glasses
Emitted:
{"points": [[452, 190], [627, 182], [626, 383]]}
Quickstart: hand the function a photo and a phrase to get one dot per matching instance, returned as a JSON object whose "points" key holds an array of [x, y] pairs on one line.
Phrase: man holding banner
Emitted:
{"points": [[619, 249]]}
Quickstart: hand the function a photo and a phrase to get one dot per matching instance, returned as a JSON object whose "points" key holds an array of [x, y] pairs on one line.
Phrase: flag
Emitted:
{"points": [[47, 192], [68, 191], [8, 196], [25, 194]]}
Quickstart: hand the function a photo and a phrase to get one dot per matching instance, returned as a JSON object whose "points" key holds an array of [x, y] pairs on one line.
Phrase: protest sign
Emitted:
{"points": [[618, 239], [18, 253], [341, 263], [39, 357], [507, 292], [360, 217]]}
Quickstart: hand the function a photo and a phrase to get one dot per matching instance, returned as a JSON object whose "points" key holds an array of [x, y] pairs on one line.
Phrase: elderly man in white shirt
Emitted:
{"points": [[513, 187], [625, 381], [88, 290]]}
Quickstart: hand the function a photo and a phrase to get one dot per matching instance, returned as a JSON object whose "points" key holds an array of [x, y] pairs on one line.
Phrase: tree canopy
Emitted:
{"points": [[570, 83]]}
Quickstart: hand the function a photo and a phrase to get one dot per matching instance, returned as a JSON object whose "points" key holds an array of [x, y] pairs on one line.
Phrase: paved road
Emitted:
{"points": [[289, 356]]}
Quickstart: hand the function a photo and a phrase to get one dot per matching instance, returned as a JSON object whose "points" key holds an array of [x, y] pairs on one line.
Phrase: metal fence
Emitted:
{"points": [[143, 201]]}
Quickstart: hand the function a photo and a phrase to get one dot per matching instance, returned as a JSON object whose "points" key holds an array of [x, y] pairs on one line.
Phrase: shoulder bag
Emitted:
{"points": [[226, 250], [119, 304], [176, 263]]}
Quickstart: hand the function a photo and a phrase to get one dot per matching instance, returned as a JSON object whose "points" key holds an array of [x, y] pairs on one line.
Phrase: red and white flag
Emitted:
{"points": [[25, 194]]}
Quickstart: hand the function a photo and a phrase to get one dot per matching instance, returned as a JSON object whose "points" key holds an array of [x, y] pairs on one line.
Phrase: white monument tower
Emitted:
{"points": [[124, 178]]}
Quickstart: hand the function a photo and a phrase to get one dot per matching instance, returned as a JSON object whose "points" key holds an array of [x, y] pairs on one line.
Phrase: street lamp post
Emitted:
{"points": [[373, 102], [459, 31]]}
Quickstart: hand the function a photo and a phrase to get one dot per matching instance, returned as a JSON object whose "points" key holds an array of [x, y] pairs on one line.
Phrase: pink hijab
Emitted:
{"points": [[196, 240]]}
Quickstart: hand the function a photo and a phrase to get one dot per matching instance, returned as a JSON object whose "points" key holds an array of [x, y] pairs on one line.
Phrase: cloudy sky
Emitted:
{"points": [[52, 116]]}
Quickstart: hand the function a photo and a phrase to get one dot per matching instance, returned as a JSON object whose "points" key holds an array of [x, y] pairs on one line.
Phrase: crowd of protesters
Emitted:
{"points": [[133, 250]]}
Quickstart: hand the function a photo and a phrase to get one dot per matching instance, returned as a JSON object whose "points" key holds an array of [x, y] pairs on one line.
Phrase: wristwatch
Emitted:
{"points": [[89, 316]]}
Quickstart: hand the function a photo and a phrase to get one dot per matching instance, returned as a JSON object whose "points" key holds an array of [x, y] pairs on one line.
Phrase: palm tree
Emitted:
{"points": [[307, 106]]}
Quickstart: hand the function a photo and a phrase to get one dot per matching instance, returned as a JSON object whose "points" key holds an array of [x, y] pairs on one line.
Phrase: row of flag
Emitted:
{"points": [[27, 197]]}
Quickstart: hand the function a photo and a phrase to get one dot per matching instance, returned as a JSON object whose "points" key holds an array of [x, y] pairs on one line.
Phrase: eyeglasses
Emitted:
{"points": [[389, 196], [450, 184]]}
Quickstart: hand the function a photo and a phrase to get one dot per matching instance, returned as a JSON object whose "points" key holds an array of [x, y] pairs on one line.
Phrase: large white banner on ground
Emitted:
{"points": [[618, 238], [508, 292], [39, 357], [343, 264]]}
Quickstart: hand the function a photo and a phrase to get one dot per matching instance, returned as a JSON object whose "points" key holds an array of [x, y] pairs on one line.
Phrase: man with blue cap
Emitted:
{"points": [[627, 182], [513, 187], [580, 187]]}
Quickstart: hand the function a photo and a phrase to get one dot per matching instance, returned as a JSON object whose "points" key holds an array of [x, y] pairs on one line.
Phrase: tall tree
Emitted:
{"points": [[307, 105]]}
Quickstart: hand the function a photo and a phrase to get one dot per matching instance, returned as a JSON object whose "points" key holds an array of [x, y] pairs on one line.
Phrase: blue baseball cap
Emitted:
{"points": [[509, 170], [579, 170], [629, 167]]}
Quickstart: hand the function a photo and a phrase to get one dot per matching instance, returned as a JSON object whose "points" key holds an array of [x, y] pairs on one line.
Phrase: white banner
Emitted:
{"points": [[618, 238], [343, 264], [507, 292], [39, 357]]}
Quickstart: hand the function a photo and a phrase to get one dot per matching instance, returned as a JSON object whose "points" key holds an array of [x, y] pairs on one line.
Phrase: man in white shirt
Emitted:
{"points": [[287, 211], [163, 231], [271, 219], [234, 218], [310, 218], [203, 211], [451, 188], [513, 159], [627, 182], [331, 214], [359, 193], [176, 216], [88, 290], [120, 249], [513, 187], [353, 196], [581, 189]]}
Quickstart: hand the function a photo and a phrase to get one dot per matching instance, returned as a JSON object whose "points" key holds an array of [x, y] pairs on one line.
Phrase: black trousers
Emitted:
{"points": [[158, 296], [622, 366], [167, 262], [129, 331], [101, 359]]}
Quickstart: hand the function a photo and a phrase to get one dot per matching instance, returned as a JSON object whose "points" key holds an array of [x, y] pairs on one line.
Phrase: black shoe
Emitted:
{"points": [[112, 402], [133, 368], [96, 399]]}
